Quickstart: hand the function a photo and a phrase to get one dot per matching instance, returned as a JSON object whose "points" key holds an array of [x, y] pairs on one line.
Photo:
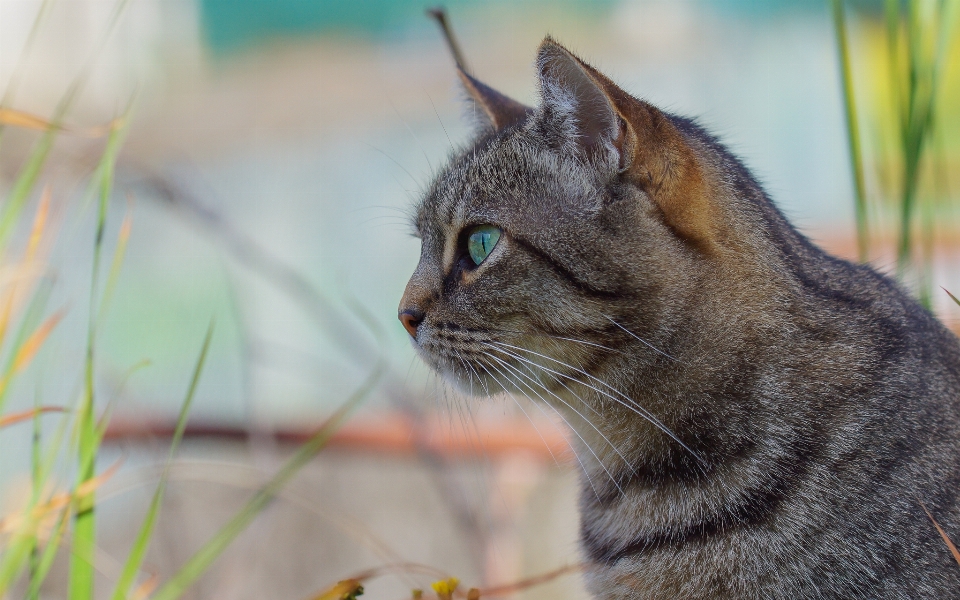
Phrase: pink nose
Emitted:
{"points": [[411, 319]]}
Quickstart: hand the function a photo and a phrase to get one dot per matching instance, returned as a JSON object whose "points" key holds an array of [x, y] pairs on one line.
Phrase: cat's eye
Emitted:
{"points": [[481, 241]]}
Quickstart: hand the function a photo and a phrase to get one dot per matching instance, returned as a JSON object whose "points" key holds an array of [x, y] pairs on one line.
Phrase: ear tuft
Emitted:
{"points": [[573, 101], [496, 111]]}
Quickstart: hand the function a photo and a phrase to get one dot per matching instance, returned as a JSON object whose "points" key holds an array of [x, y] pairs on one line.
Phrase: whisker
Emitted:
{"points": [[414, 135], [560, 337], [507, 365], [588, 405], [586, 343], [449, 141], [466, 364], [634, 405], [574, 429], [517, 402], [535, 428], [643, 341]]}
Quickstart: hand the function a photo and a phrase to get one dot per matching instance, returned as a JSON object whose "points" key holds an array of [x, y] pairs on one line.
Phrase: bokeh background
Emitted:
{"points": [[275, 151]]}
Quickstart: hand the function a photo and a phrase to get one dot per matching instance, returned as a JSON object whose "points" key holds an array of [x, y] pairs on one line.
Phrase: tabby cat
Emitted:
{"points": [[754, 418]]}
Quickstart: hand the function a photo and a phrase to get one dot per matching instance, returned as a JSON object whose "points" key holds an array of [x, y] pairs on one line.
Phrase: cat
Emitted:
{"points": [[754, 418]]}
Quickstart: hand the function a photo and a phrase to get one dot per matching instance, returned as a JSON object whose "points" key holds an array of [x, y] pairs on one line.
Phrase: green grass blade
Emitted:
{"points": [[115, 265], [202, 559], [84, 530], [104, 421], [43, 475], [49, 553], [81, 584], [15, 556], [853, 131], [139, 549], [36, 466], [27, 179]]}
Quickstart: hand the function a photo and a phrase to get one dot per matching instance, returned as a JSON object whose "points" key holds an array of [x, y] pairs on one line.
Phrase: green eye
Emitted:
{"points": [[481, 242]]}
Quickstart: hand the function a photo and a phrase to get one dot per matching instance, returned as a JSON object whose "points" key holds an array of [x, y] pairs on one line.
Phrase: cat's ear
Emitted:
{"points": [[591, 115], [492, 110], [575, 113]]}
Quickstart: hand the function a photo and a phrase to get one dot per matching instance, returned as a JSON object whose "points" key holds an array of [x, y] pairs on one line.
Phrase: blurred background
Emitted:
{"points": [[274, 152]]}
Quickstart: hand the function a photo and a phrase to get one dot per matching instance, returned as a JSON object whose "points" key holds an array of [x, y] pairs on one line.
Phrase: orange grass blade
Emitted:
{"points": [[57, 502], [29, 349], [943, 534], [25, 120], [19, 417], [36, 234], [146, 588], [5, 316], [39, 224], [18, 118]]}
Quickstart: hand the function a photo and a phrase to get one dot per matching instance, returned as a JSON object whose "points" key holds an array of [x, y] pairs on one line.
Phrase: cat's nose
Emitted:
{"points": [[411, 318]]}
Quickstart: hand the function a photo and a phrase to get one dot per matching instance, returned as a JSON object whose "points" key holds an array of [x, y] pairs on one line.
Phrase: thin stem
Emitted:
{"points": [[853, 131]]}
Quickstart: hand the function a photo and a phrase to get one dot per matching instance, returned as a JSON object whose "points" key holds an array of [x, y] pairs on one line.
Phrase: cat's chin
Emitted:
{"points": [[469, 385]]}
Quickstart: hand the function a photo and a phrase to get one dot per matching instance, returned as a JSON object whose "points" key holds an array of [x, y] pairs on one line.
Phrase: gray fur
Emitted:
{"points": [[754, 418]]}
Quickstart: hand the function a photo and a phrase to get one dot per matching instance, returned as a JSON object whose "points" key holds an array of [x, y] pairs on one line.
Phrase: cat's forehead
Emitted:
{"points": [[498, 179]]}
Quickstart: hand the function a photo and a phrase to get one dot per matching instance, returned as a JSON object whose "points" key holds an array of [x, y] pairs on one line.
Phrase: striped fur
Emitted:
{"points": [[754, 418]]}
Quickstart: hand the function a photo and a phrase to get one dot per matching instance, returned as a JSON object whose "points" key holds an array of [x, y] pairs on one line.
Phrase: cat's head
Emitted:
{"points": [[564, 235]]}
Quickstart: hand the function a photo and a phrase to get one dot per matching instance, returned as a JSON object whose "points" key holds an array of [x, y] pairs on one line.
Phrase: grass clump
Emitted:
{"points": [[901, 92]]}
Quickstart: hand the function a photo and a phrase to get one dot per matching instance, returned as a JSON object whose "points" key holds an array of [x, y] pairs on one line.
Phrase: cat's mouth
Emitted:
{"points": [[471, 366]]}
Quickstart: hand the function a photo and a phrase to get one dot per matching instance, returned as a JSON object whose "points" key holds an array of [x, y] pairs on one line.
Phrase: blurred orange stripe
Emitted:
{"points": [[390, 433]]}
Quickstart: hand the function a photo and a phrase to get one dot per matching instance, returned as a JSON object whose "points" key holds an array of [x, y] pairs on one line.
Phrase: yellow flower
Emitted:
{"points": [[445, 587]]}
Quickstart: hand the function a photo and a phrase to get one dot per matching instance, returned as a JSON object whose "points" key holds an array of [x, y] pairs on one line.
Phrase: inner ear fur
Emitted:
{"points": [[498, 111], [655, 156]]}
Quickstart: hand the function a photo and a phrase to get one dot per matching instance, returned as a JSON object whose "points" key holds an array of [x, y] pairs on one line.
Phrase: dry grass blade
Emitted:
{"points": [[146, 588], [39, 225], [18, 118], [25, 120], [29, 349], [26, 270], [943, 534], [25, 415], [33, 516]]}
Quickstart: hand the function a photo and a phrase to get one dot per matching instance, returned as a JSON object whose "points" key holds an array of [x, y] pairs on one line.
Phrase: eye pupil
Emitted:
{"points": [[481, 241]]}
